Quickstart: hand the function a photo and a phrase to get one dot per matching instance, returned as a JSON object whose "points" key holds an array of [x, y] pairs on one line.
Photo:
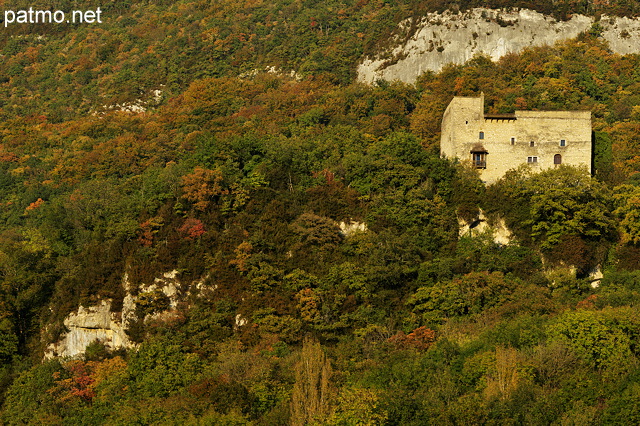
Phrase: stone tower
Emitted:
{"points": [[495, 143]]}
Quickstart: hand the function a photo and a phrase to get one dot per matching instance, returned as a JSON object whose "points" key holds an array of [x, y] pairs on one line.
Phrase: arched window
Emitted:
{"points": [[557, 159]]}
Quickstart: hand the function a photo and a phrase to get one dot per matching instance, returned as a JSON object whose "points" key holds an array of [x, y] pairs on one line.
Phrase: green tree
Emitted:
{"points": [[357, 406], [566, 201], [592, 337], [27, 400], [627, 203], [161, 368]]}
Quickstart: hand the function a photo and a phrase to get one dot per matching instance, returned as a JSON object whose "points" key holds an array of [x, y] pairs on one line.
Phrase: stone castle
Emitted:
{"points": [[495, 143]]}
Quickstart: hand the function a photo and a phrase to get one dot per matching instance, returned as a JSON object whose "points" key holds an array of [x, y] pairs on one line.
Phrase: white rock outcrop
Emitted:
{"points": [[271, 70], [347, 229], [98, 322], [454, 38], [595, 276], [87, 325], [498, 229]]}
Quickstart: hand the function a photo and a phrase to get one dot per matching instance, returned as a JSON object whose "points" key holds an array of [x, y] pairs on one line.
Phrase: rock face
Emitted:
{"points": [[347, 229], [454, 38], [499, 231], [88, 325]]}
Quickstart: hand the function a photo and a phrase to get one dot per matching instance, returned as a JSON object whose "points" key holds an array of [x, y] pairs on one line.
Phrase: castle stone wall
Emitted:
{"points": [[507, 141]]}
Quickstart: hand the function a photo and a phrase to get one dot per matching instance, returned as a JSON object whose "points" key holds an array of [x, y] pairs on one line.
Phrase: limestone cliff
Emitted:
{"points": [[98, 322], [87, 325], [497, 228], [446, 38]]}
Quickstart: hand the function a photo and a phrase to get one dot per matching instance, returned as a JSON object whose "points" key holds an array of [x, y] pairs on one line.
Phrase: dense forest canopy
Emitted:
{"points": [[175, 137]]}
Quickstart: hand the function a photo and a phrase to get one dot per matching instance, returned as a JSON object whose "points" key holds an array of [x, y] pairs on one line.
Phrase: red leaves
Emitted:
{"points": [[192, 228], [79, 385]]}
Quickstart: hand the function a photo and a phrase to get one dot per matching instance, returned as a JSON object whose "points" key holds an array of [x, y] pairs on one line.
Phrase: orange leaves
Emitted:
{"points": [[243, 253], [36, 204], [8, 157], [588, 303], [87, 380], [420, 338], [202, 187], [520, 103], [211, 99], [147, 230], [459, 85]]}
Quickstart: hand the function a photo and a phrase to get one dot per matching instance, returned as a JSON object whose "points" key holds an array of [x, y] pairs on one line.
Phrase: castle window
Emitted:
{"points": [[532, 160], [481, 136], [557, 159], [479, 160], [532, 143], [513, 141], [563, 142]]}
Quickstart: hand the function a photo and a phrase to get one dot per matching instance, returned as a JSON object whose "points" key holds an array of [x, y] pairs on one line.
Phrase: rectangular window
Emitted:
{"points": [[481, 136], [563, 142], [532, 143], [513, 141], [479, 160], [532, 160]]}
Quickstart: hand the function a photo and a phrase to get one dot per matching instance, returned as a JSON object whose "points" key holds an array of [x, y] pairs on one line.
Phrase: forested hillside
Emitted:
{"points": [[174, 137]]}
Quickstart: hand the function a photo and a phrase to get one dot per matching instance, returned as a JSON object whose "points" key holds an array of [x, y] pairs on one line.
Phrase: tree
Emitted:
{"points": [[357, 406], [566, 201], [592, 337], [310, 398], [202, 187], [162, 368], [627, 203], [565, 211], [27, 400]]}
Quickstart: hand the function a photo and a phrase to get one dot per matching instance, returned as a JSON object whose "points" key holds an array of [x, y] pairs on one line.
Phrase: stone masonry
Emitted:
{"points": [[497, 143]]}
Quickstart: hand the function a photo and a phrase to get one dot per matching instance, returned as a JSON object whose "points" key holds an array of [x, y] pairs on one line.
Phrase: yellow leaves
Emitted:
{"points": [[210, 34], [503, 379], [308, 305], [108, 368], [627, 199], [310, 398], [243, 253], [358, 406], [107, 377], [35, 242], [19, 170]]}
